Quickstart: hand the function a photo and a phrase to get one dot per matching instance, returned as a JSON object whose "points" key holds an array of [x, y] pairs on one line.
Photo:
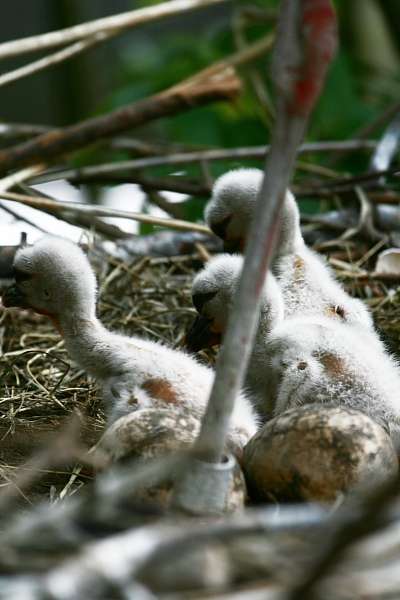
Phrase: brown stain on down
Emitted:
{"points": [[334, 365], [298, 264], [161, 389]]}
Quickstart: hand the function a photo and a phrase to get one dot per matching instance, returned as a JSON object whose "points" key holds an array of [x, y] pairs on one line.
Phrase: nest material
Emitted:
{"points": [[40, 388]]}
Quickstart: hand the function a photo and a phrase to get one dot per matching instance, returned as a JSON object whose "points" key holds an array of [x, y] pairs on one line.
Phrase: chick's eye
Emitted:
{"points": [[46, 293], [339, 310]]}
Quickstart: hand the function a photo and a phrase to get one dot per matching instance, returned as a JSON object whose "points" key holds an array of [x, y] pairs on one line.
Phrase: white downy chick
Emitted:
{"points": [[320, 360], [308, 284], [54, 277], [213, 290], [230, 211], [301, 360]]}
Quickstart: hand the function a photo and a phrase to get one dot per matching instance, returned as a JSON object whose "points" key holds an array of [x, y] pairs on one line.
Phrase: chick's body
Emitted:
{"points": [[54, 277]]}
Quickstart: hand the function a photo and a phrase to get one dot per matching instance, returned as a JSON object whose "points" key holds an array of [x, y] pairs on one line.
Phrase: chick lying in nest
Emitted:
{"points": [[40, 388]]}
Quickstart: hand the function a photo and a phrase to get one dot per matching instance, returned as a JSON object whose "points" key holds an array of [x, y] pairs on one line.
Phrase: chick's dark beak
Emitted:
{"points": [[233, 246], [219, 228], [12, 296], [199, 300], [200, 335]]}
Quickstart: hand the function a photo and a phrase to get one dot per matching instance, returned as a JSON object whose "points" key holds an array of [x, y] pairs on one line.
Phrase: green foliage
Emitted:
{"points": [[153, 65], [342, 109], [155, 61]]}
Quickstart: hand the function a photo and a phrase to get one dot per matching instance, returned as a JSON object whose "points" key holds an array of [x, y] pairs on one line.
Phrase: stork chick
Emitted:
{"points": [[308, 285], [301, 360], [213, 291], [230, 211], [54, 278]]}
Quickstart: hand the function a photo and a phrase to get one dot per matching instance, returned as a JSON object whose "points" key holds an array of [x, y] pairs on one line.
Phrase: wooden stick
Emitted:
{"points": [[243, 153], [189, 94], [121, 21], [8, 182], [346, 533], [216, 82], [100, 211], [53, 59]]}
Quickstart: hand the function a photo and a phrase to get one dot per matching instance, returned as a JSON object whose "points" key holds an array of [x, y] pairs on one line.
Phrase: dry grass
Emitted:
{"points": [[40, 389]]}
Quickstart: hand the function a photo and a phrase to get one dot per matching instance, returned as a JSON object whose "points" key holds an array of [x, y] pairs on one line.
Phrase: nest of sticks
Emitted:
{"points": [[51, 414], [148, 296]]}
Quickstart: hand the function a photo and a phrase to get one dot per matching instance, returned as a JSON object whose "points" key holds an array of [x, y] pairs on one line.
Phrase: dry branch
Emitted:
{"points": [[99, 211], [217, 82], [350, 529], [112, 232], [242, 57], [349, 183], [23, 219], [21, 130], [172, 184], [8, 182], [53, 59], [121, 22], [249, 152], [180, 98]]}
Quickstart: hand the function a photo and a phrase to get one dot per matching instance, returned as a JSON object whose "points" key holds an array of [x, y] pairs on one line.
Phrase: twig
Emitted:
{"points": [[99, 211], [387, 114], [185, 96], [121, 21], [252, 522], [348, 183], [365, 225], [173, 209], [381, 159], [112, 232], [54, 59], [345, 533], [18, 130], [203, 252], [365, 131], [252, 74], [171, 184], [8, 182], [62, 448], [23, 218], [217, 82], [112, 490], [241, 57], [305, 45], [248, 152], [387, 147], [136, 551], [147, 149]]}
